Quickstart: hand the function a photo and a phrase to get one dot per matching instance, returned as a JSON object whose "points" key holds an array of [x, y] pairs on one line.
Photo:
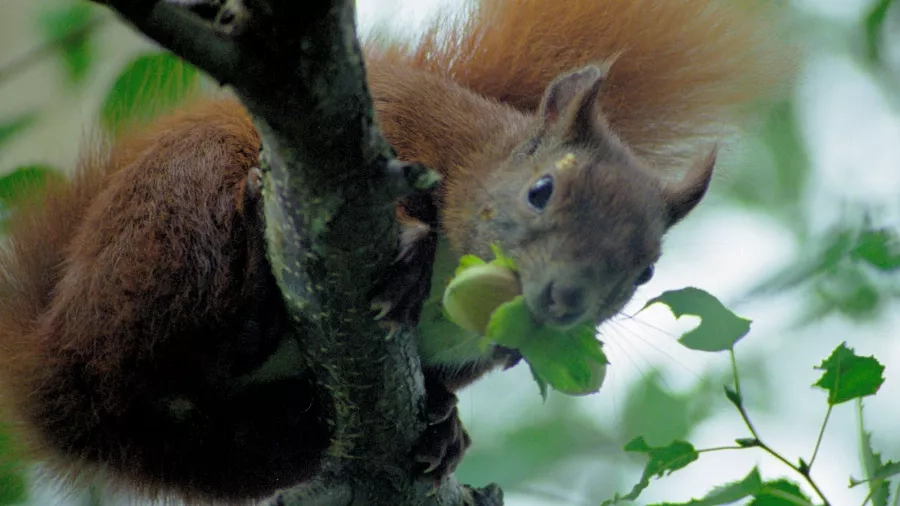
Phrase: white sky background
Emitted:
{"points": [[853, 134]]}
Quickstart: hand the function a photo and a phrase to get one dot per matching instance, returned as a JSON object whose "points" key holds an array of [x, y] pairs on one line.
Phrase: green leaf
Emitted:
{"points": [[25, 179], [649, 401], [484, 298], [13, 486], [848, 376], [733, 396], [875, 470], [780, 493], [501, 259], [538, 446], [887, 470], [69, 29], [719, 328], [663, 460], [747, 442], [467, 261], [571, 361], [541, 383], [15, 126], [874, 24], [20, 183], [149, 85], [728, 493], [879, 248]]}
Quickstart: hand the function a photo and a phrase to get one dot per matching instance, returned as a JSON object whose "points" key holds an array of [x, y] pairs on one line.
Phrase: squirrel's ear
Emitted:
{"points": [[581, 86], [682, 196]]}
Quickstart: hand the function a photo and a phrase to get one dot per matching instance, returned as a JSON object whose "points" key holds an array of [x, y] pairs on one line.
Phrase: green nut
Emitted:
{"points": [[476, 292]]}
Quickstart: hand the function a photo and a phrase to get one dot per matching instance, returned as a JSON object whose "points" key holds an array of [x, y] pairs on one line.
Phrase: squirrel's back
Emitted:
{"points": [[682, 71]]}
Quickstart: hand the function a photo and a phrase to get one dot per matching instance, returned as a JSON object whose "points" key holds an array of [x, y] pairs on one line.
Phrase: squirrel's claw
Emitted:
{"points": [[401, 294], [442, 445]]}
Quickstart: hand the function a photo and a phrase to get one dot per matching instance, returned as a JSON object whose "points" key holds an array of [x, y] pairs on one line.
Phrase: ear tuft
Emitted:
{"points": [[567, 89], [682, 196]]}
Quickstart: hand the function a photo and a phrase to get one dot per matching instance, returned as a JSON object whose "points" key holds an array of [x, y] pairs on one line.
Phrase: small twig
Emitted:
{"points": [[759, 443], [821, 434], [734, 369], [721, 449], [869, 495], [34, 56]]}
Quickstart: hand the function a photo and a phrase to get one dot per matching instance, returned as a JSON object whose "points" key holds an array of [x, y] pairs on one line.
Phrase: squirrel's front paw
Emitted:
{"points": [[441, 447], [399, 297]]}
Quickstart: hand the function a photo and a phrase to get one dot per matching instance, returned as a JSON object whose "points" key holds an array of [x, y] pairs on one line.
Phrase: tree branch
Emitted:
{"points": [[330, 186]]}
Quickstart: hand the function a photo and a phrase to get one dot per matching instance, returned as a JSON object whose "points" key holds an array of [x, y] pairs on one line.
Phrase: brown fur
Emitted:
{"points": [[134, 295], [683, 71]]}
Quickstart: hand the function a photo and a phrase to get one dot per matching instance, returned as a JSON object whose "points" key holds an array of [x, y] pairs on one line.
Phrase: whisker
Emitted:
{"points": [[661, 350]]}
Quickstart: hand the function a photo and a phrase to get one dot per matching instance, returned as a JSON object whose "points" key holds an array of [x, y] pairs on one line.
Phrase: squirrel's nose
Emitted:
{"points": [[565, 301]]}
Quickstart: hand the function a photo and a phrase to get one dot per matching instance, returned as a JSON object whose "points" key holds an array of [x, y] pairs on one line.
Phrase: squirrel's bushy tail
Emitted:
{"points": [[684, 69]]}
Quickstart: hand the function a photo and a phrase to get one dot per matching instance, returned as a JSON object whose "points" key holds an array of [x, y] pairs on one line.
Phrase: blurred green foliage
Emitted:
{"points": [[69, 29], [13, 486], [12, 127], [20, 182], [853, 270], [149, 85], [873, 27]]}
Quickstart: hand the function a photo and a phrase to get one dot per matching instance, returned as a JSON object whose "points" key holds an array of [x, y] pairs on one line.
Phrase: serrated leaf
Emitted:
{"points": [[780, 493], [570, 361], [11, 128], [879, 490], [719, 328], [68, 29], [890, 468], [848, 376], [728, 493], [879, 472], [663, 459], [541, 383], [879, 248], [149, 85]]}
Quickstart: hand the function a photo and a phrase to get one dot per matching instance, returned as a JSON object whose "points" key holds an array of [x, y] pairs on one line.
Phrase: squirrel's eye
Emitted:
{"points": [[539, 193], [644, 276]]}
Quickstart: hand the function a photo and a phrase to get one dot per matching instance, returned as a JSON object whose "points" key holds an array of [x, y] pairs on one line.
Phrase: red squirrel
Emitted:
{"points": [[134, 295]]}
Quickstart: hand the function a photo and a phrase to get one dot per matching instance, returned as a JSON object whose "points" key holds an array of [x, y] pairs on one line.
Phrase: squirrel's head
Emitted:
{"points": [[580, 214]]}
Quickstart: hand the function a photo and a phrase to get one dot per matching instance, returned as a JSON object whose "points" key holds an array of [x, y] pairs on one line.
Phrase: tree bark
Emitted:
{"points": [[330, 184]]}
